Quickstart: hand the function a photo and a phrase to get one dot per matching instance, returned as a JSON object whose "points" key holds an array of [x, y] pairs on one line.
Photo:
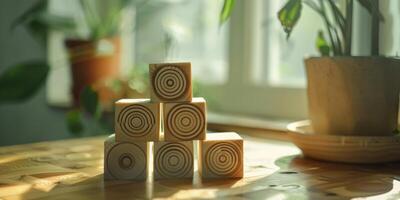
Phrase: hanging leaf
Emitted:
{"points": [[38, 7], [38, 21], [39, 31], [90, 101], [56, 22], [289, 14], [226, 11], [322, 45], [40, 25], [22, 81], [371, 6], [74, 122]]}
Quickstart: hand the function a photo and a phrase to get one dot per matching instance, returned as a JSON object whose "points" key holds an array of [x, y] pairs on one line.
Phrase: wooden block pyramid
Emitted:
{"points": [[171, 107]]}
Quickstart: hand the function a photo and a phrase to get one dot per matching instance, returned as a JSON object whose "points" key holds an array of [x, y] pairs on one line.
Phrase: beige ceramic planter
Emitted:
{"points": [[353, 95]]}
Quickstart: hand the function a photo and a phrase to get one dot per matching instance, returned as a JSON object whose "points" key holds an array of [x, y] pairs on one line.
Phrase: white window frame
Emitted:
{"points": [[240, 94]]}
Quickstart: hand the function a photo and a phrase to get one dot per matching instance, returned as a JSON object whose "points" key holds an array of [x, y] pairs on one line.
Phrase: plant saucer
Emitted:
{"points": [[346, 149]]}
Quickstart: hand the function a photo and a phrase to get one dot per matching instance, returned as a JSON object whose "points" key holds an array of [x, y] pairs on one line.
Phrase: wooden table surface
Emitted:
{"points": [[72, 169]]}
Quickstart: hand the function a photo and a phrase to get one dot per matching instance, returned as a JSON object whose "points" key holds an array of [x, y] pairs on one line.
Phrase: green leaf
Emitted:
{"points": [[226, 11], [74, 122], [322, 44], [39, 7], [370, 5], [38, 21], [289, 14], [38, 31], [337, 14], [92, 17], [56, 22], [90, 101], [22, 81]]}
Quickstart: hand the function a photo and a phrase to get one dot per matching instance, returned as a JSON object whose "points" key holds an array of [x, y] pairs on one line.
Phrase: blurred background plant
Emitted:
{"points": [[93, 57]]}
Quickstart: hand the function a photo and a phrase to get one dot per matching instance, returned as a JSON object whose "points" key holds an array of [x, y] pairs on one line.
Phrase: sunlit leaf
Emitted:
{"points": [[74, 122], [226, 11], [289, 14], [90, 101], [322, 45], [22, 81]]}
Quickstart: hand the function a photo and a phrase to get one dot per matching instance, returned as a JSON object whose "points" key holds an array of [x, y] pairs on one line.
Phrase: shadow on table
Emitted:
{"points": [[340, 179], [297, 178]]}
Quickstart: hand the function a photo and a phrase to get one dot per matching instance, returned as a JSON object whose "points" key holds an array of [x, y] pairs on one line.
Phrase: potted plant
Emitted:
{"points": [[347, 95], [20, 82], [94, 57]]}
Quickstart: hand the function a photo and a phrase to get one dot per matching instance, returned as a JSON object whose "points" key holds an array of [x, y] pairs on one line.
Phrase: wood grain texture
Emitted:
{"points": [[221, 156], [185, 121], [73, 169], [137, 120], [125, 160], [173, 160], [171, 82]]}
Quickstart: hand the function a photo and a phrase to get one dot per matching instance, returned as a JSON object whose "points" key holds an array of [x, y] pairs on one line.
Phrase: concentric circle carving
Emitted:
{"points": [[185, 121], [136, 120], [170, 82], [173, 160], [223, 158], [126, 161]]}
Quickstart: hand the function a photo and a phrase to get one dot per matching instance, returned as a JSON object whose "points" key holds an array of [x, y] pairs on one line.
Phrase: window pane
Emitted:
{"points": [[185, 30], [284, 58]]}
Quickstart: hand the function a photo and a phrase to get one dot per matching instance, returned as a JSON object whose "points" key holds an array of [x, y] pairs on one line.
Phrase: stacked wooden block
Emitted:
{"points": [[171, 110]]}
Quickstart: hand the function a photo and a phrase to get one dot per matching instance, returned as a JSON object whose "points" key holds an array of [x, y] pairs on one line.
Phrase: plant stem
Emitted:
{"points": [[335, 41], [375, 29], [349, 26], [339, 18]]}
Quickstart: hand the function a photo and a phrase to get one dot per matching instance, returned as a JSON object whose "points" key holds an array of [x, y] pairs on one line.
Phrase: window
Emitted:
{"points": [[283, 60], [256, 45], [157, 31], [246, 66], [266, 73], [186, 30]]}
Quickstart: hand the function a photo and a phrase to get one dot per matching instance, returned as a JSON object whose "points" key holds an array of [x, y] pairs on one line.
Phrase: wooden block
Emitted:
{"points": [[185, 121], [221, 156], [137, 120], [170, 82], [173, 160], [125, 160]]}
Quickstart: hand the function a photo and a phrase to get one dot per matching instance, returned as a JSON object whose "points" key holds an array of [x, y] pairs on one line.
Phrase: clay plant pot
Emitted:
{"points": [[353, 95], [93, 63]]}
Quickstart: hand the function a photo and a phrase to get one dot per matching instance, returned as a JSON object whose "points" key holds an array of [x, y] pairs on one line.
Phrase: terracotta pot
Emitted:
{"points": [[353, 95], [94, 63]]}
